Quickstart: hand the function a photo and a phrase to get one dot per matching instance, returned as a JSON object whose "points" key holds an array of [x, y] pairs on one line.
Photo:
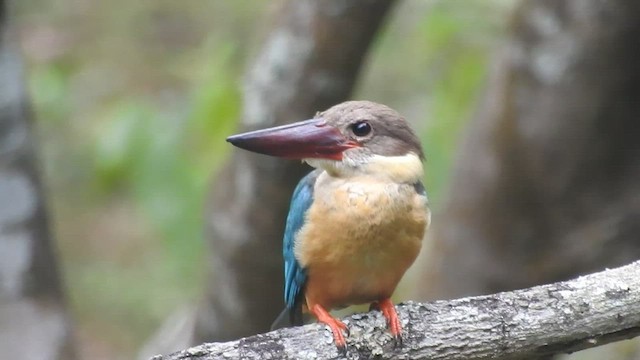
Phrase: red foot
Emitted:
{"points": [[336, 325], [389, 312]]}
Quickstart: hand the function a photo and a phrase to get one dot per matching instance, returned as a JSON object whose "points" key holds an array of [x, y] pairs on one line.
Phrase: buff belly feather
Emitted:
{"points": [[360, 238]]}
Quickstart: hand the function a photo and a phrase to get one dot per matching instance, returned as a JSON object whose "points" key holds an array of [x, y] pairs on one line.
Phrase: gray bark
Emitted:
{"points": [[33, 320], [310, 62], [550, 319], [545, 186]]}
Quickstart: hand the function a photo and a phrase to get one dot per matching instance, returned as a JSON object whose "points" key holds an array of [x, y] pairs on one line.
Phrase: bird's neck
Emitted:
{"points": [[398, 169]]}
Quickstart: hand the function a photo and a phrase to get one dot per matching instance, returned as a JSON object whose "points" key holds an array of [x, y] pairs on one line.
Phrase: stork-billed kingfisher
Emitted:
{"points": [[356, 222]]}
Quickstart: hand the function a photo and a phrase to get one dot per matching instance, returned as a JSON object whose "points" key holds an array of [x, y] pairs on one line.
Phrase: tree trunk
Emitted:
{"points": [[33, 320], [310, 62], [547, 185]]}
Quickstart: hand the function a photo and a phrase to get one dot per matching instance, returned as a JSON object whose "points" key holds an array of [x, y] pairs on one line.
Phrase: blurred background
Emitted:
{"points": [[128, 105]]}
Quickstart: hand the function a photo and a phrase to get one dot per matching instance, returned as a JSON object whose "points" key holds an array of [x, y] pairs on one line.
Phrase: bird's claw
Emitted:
{"points": [[336, 326], [389, 312], [397, 341]]}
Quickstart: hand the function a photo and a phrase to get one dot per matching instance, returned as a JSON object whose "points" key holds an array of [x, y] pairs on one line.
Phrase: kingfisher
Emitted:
{"points": [[356, 222]]}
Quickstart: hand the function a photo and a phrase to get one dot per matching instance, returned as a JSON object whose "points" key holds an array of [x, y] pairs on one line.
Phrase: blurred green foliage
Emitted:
{"points": [[134, 100], [462, 60]]}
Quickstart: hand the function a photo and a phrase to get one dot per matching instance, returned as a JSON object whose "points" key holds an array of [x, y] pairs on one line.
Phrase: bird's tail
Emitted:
{"points": [[289, 317]]}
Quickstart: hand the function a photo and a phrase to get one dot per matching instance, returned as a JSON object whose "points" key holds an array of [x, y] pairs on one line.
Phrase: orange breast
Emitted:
{"points": [[359, 239]]}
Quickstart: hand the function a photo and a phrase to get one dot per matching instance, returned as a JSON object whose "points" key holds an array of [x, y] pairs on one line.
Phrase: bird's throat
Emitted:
{"points": [[404, 169]]}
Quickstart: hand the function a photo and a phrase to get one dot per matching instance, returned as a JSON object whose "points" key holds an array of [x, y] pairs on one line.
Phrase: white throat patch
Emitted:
{"points": [[399, 169]]}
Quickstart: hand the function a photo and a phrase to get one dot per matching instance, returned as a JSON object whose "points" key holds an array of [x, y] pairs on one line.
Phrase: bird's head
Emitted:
{"points": [[352, 138]]}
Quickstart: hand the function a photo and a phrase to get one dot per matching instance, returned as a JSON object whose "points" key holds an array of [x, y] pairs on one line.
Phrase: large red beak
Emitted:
{"points": [[301, 140]]}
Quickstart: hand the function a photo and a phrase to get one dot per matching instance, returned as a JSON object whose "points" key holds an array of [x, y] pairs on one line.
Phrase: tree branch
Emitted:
{"points": [[558, 318]]}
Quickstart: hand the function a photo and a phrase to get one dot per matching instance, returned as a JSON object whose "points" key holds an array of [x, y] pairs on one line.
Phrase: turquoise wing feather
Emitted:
{"points": [[295, 276]]}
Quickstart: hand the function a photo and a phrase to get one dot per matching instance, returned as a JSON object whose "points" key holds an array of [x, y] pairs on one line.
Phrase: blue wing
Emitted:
{"points": [[294, 275]]}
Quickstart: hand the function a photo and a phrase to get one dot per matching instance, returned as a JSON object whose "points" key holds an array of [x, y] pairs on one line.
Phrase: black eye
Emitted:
{"points": [[361, 128]]}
